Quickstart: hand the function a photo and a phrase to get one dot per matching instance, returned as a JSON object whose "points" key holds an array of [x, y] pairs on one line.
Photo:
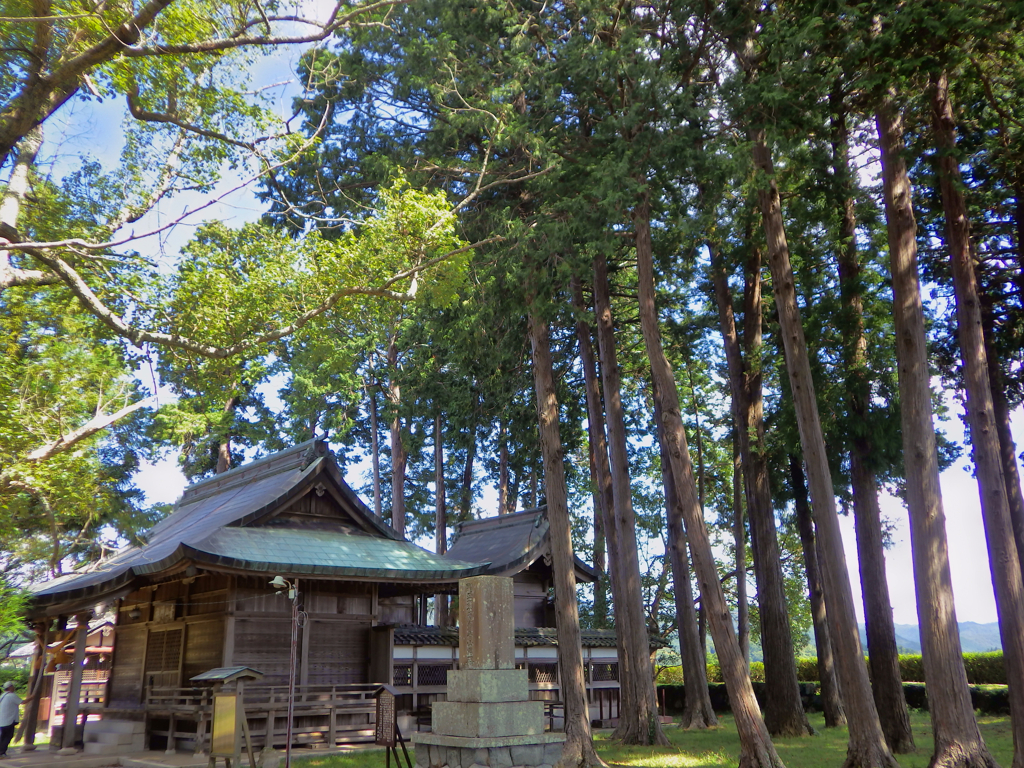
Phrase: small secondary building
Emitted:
{"points": [[196, 596]]}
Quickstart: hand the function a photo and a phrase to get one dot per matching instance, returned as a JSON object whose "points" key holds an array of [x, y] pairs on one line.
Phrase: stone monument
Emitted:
{"points": [[488, 720]]}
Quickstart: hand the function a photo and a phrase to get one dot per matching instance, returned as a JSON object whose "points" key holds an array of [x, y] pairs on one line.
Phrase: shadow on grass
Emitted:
{"points": [[720, 746]]}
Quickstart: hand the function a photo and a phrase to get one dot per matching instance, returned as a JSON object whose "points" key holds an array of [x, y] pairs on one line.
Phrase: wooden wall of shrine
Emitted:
{"points": [[169, 632]]}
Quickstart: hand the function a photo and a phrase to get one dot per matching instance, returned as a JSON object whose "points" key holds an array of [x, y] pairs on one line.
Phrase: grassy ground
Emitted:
{"points": [[720, 747]]}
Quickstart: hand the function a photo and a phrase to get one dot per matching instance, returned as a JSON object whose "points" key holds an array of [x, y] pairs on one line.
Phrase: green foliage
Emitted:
{"points": [[12, 610]]}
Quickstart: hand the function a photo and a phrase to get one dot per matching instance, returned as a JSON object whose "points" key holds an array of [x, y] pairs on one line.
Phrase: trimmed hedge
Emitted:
{"points": [[982, 669], [987, 699]]}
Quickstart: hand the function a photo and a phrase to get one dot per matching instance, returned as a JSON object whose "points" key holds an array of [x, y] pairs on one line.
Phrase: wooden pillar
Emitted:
{"points": [[35, 688], [75, 689]]}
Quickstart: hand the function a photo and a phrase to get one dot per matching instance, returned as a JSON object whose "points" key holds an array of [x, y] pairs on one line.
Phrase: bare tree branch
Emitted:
{"points": [[10, 208], [96, 424]]}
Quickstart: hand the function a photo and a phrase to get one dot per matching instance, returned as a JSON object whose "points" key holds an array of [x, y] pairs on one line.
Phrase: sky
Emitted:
{"points": [[90, 128]]}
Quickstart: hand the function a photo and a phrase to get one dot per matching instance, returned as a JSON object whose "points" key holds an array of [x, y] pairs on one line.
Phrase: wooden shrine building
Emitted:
{"points": [[197, 596]]}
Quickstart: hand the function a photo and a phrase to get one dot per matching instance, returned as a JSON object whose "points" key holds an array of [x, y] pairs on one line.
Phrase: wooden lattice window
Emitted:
{"points": [[433, 674], [543, 673], [402, 675], [163, 657], [606, 672]]}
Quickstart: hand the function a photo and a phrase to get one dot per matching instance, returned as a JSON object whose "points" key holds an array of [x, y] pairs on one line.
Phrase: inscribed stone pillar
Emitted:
{"points": [[487, 623], [488, 720]]}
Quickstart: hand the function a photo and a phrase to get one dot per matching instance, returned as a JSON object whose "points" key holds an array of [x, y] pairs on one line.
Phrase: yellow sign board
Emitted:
{"points": [[224, 742]]}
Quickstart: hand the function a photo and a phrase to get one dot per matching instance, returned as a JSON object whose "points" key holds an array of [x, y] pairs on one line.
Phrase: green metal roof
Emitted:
{"points": [[290, 550]]}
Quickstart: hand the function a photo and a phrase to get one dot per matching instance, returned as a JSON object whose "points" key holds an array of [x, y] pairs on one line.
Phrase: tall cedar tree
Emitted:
{"points": [[1003, 560], [783, 714], [697, 710], [756, 748], [601, 475], [578, 749], [638, 712], [831, 701], [958, 742], [883, 654], [867, 746]]}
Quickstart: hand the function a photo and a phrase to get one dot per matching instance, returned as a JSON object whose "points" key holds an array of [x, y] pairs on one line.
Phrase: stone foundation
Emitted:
{"points": [[488, 720], [527, 755]]}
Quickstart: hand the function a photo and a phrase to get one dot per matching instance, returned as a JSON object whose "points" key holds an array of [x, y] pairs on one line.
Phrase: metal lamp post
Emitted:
{"points": [[293, 594]]}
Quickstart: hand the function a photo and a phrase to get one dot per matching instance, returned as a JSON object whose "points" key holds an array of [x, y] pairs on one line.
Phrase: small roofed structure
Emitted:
{"points": [[227, 675]]}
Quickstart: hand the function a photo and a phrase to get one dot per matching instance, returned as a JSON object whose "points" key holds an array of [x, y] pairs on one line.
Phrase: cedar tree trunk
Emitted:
{"points": [[697, 710], [831, 701], [378, 506], [503, 470], [883, 655], [1001, 411], [398, 457], [440, 518], [756, 748], [958, 740], [638, 712], [739, 538], [578, 749], [867, 747], [604, 527], [995, 509], [783, 713]]}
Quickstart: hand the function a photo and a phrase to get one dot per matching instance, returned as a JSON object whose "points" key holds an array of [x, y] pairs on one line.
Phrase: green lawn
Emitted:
{"points": [[720, 747]]}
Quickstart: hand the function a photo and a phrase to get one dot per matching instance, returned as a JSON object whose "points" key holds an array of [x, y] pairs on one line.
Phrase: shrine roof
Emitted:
{"points": [[231, 522], [510, 543]]}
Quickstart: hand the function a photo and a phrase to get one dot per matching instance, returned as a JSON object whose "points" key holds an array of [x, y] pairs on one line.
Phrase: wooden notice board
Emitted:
{"points": [[224, 742], [384, 733]]}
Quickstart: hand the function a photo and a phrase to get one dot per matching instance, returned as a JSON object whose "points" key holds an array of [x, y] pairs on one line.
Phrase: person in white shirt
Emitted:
{"points": [[9, 704]]}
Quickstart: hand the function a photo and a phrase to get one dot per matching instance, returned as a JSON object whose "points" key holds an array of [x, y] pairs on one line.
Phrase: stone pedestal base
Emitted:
{"points": [[539, 751]]}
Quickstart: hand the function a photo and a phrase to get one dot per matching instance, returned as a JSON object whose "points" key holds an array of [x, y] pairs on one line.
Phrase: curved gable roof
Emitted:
{"points": [[509, 543], [228, 522]]}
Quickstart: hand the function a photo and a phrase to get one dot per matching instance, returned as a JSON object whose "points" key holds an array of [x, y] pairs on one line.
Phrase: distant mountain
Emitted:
{"points": [[974, 637]]}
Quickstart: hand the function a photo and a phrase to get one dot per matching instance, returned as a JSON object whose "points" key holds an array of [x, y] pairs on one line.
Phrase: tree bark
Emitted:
{"points": [[604, 527], [466, 494], [739, 538], [600, 560], [867, 747], [398, 457], [697, 711], [783, 713], [224, 447], [958, 740], [756, 748], [883, 654], [578, 749], [378, 505], [440, 517], [502, 470], [638, 712], [995, 509], [831, 701], [1001, 411]]}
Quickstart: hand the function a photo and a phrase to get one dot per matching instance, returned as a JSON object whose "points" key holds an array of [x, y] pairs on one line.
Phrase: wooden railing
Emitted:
{"points": [[324, 714]]}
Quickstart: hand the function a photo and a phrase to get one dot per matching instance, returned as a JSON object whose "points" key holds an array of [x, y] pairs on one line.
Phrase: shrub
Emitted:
{"points": [[807, 670], [985, 668], [17, 672], [981, 668], [911, 668]]}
